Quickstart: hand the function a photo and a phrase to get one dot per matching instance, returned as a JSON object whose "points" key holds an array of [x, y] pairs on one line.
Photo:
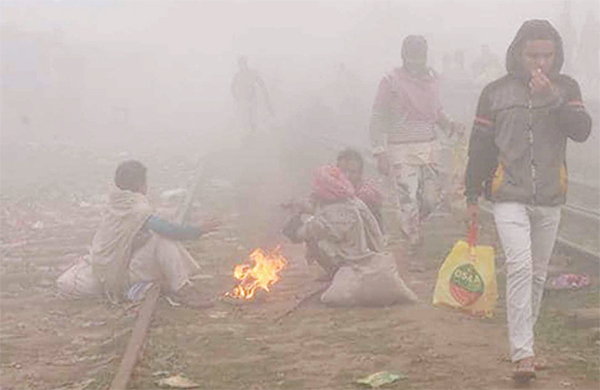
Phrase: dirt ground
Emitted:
{"points": [[50, 342]]}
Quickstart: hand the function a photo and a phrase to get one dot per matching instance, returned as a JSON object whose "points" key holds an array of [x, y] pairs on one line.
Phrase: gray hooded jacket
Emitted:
{"points": [[518, 143]]}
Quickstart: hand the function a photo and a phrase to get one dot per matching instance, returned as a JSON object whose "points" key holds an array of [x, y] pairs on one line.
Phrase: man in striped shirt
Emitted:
{"points": [[406, 110]]}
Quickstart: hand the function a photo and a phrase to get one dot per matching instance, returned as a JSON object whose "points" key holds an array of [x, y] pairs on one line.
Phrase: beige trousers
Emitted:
{"points": [[159, 260]]}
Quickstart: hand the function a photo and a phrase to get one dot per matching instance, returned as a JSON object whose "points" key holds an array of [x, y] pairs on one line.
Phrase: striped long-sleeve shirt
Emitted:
{"points": [[406, 109]]}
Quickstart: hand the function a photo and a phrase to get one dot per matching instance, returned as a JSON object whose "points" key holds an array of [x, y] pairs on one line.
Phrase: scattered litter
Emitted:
{"points": [[565, 384], [201, 277], [78, 386], [578, 358], [178, 382], [172, 302], [568, 281], [380, 379], [165, 358], [90, 324], [218, 314], [16, 243]]}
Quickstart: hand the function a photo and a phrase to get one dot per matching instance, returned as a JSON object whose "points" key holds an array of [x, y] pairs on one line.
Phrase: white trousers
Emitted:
{"points": [[528, 234]]}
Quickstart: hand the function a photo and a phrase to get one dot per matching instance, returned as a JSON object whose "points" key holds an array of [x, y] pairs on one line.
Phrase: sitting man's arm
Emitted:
{"points": [[171, 230]]}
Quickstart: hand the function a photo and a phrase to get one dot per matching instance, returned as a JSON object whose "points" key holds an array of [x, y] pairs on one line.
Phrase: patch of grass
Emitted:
{"points": [[103, 379], [554, 330]]}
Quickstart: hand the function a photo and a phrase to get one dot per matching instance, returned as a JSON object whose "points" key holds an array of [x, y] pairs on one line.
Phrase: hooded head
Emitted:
{"points": [[414, 54], [534, 31]]}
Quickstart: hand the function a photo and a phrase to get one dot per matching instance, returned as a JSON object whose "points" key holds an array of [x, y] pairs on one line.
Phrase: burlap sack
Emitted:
{"points": [[372, 282]]}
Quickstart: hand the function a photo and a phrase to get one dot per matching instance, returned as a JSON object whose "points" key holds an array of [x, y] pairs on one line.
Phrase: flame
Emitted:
{"points": [[262, 274]]}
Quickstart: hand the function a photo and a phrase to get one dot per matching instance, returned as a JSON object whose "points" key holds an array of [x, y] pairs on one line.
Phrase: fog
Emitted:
{"points": [[118, 74]]}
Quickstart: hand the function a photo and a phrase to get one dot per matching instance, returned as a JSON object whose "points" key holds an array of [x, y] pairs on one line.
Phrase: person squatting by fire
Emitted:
{"points": [[134, 248], [343, 236]]}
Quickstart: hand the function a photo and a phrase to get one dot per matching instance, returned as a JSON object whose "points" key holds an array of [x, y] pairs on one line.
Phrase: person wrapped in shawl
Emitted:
{"points": [[345, 239], [340, 227], [132, 246]]}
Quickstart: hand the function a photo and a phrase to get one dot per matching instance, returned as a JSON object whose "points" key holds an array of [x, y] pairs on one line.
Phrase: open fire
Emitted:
{"points": [[261, 272]]}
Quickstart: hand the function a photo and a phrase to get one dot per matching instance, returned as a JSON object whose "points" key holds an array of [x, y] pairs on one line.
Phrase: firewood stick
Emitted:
{"points": [[304, 299]]}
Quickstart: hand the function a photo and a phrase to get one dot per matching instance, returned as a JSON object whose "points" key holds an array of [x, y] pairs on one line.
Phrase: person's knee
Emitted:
{"points": [[166, 246]]}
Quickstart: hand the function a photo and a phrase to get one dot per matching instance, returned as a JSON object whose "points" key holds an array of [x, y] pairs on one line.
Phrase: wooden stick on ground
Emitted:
{"points": [[301, 301], [136, 341]]}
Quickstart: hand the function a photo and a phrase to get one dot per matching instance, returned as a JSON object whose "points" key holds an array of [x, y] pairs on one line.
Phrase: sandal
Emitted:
{"points": [[524, 370]]}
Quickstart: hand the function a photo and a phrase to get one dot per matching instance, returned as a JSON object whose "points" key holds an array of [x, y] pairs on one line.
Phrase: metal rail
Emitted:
{"points": [[583, 211]]}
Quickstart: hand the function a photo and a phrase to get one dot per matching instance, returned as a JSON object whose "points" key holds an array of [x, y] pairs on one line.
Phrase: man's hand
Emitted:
{"points": [[210, 225], [540, 84], [473, 212], [383, 163]]}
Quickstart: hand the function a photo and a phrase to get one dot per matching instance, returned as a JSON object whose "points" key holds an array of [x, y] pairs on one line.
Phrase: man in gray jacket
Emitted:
{"points": [[517, 158]]}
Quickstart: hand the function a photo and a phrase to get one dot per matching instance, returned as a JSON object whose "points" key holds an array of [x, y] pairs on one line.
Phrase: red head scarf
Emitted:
{"points": [[330, 184]]}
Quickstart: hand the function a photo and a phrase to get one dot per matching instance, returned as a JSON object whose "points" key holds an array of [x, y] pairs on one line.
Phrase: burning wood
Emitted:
{"points": [[262, 272]]}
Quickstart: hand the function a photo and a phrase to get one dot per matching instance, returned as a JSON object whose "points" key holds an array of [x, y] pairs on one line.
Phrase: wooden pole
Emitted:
{"points": [[134, 347]]}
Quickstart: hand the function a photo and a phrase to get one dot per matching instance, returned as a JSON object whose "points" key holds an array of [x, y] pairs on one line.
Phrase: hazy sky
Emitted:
{"points": [[274, 30], [184, 52]]}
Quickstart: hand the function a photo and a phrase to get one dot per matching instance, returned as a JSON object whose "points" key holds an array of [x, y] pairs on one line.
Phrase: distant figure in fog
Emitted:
{"points": [[486, 67], [406, 111], [518, 150], [588, 55], [249, 92], [568, 35], [133, 247], [459, 73]]}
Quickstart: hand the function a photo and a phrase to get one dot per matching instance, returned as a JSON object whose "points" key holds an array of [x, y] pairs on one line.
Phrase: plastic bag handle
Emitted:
{"points": [[472, 238]]}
